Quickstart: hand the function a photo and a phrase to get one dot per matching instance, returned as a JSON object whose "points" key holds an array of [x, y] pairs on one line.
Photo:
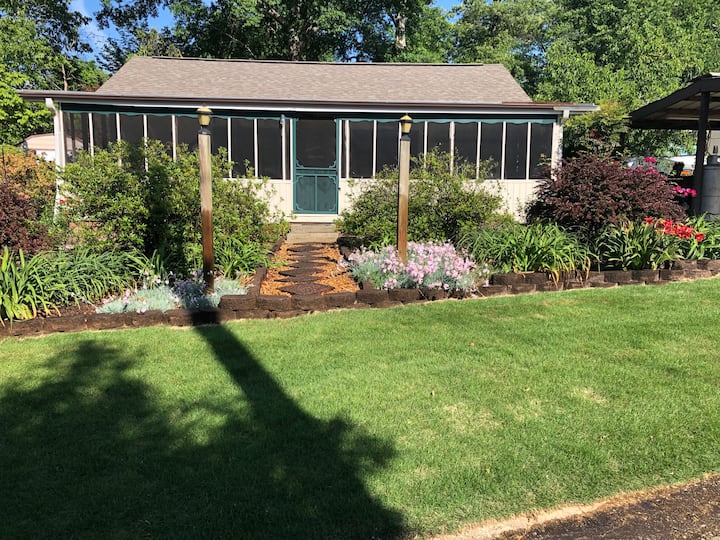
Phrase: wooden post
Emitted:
{"points": [[403, 188], [208, 256]]}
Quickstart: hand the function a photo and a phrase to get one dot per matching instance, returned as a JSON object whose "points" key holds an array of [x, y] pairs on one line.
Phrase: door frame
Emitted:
{"points": [[299, 171]]}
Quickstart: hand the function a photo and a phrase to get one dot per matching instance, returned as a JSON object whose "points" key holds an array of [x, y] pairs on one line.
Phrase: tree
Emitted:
{"points": [[347, 30], [509, 32], [40, 48]]}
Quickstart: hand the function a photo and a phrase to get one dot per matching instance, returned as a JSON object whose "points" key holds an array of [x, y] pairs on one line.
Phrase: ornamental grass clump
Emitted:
{"points": [[432, 264], [540, 247]]}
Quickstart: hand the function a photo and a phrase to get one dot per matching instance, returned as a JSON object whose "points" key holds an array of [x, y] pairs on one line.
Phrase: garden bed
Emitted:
{"points": [[256, 305]]}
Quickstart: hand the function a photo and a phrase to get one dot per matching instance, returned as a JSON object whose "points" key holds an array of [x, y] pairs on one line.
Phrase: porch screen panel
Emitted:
{"points": [[466, 143], [131, 128], [515, 150], [242, 146], [77, 134], [540, 148], [159, 128], [316, 143], [438, 136], [491, 147], [361, 149], [219, 138], [187, 131], [104, 130], [387, 145], [417, 144], [269, 148]]}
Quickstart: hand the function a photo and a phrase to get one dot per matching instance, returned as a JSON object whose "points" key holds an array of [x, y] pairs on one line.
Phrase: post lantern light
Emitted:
{"points": [[204, 117], [405, 124], [403, 187]]}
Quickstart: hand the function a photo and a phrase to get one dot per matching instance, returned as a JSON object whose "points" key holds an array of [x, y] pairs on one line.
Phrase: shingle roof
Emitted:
{"points": [[315, 81]]}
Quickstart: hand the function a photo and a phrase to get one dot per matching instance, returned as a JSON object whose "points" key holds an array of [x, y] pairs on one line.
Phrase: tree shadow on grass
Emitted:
{"points": [[94, 452]]}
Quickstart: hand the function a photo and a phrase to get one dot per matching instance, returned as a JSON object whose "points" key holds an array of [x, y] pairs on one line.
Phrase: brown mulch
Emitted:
{"points": [[324, 259]]}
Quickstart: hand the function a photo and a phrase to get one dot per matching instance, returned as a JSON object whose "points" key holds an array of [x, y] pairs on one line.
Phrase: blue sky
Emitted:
{"points": [[97, 37]]}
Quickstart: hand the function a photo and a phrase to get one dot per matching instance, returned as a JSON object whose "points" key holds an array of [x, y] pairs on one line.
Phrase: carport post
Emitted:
{"points": [[700, 151]]}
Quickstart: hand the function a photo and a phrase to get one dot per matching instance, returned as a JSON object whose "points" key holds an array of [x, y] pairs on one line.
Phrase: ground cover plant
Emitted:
{"points": [[431, 264], [360, 424]]}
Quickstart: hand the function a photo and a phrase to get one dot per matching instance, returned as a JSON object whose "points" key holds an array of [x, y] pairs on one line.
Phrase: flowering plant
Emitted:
{"points": [[432, 264], [648, 244]]}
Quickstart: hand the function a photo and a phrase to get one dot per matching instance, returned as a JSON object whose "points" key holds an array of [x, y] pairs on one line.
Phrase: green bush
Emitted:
{"points": [[139, 197], [441, 206], [539, 247], [23, 289]]}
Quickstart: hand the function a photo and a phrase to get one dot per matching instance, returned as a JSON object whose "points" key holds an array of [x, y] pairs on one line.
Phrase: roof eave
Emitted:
{"points": [[101, 98]]}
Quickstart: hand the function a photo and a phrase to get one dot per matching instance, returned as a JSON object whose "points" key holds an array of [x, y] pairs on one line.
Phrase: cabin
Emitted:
{"points": [[315, 128]]}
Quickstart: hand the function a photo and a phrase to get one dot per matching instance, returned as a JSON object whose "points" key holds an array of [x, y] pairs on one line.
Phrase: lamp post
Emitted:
{"points": [[204, 117], [403, 187]]}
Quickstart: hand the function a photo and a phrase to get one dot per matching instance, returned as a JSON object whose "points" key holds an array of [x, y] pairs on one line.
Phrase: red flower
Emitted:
{"points": [[699, 237], [649, 220], [650, 159]]}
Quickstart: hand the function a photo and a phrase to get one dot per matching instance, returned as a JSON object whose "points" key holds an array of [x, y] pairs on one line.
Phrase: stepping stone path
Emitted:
{"points": [[305, 268]]}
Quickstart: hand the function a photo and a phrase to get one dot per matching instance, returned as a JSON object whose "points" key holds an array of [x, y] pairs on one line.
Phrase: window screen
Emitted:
{"points": [[242, 142], [417, 144], [438, 136], [466, 143], [515, 150], [77, 134], [316, 142], [219, 139], [491, 147], [361, 149], [387, 145], [159, 128], [131, 128], [104, 130], [187, 131], [540, 148], [269, 148]]}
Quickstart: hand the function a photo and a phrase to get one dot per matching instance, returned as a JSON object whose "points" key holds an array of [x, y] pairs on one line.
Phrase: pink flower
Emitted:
{"points": [[650, 159]]}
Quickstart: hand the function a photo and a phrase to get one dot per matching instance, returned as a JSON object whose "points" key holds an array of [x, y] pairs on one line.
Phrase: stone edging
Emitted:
{"points": [[258, 306]]}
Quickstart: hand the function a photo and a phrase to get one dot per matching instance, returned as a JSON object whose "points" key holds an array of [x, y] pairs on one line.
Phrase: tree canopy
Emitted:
{"points": [[617, 53]]}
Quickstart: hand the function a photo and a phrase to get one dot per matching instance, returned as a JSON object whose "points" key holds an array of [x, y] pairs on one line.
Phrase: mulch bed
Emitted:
{"points": [[307, 269]]}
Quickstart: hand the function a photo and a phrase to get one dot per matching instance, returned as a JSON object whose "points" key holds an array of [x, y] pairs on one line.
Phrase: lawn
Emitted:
{"points": [[360, 423]]}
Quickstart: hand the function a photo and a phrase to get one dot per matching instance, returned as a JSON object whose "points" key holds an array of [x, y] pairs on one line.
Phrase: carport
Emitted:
{"points": [[695, 107]]}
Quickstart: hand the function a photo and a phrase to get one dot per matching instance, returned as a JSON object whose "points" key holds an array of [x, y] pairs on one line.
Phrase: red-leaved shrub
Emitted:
{"points": [[19, 226], [588, 192]]}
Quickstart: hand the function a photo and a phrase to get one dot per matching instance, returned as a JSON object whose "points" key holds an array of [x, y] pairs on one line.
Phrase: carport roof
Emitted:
{"points": [[682, 108]]}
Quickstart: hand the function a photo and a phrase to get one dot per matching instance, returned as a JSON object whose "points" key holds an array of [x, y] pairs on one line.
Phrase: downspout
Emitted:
{"points": [[59, 149]]}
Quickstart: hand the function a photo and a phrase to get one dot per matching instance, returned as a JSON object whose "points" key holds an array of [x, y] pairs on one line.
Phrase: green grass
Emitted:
{"points": [[359, 424]]}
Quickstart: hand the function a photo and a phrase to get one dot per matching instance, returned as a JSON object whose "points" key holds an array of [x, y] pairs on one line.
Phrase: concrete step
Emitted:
{"points": [[308, 233]]}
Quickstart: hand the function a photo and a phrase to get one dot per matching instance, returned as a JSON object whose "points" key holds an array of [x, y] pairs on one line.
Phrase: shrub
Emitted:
{"points": [[23, 287], [19, 225], [587, 193], [138, 197], [538, 247], [27, 198], [432, 265], [441, 204]]}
